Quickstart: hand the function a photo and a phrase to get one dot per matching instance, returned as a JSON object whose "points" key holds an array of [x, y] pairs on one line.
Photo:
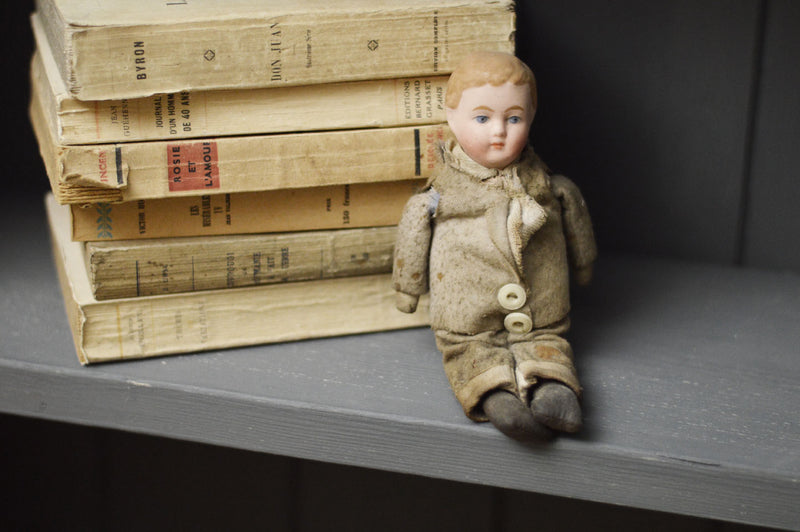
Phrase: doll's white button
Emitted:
{"points": [[511, 296], [517, 322]]}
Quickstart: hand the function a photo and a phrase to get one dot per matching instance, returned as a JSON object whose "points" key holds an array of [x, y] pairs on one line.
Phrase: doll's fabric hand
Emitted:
{"points": [[583, 276], [406, 302]]}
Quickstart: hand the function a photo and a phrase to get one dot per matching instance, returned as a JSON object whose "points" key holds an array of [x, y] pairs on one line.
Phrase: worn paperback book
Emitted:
{"points": [[192, 167], [297, 209], [197, 114], [135, 268], [129, 328], [118, 49]]}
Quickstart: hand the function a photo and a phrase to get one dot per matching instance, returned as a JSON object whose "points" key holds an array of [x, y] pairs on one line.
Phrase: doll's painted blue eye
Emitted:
{"points": [[514, 119], [481, 119]]}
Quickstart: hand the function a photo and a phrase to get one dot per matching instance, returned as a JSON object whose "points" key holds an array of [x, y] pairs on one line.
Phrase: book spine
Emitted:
{"points": [[384, 103], [163, 169], [161, 325], [115, 62], [331, 207], [173, 265]]}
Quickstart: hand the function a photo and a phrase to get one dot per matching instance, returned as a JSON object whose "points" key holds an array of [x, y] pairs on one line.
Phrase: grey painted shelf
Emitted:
{"points": [[691, 374]]}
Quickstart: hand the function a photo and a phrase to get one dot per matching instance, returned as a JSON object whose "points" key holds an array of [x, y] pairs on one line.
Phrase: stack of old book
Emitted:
{"points": [[230, 173]]}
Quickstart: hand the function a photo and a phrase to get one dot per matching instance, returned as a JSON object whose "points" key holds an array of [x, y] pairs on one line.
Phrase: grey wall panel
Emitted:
{"points": [[645, 106], [772, 231]]}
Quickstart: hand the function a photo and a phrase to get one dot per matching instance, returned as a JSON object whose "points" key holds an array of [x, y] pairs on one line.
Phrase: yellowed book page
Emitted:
{"points": [[122, 329], [114, 50], [135, 268], [333, 207]]}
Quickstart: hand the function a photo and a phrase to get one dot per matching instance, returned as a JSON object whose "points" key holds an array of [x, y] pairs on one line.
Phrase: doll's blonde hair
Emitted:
{"points": [[494, 68]]}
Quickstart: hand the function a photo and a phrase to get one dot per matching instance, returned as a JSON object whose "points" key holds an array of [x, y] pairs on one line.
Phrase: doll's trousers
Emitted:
{"points": [[480, 363]]}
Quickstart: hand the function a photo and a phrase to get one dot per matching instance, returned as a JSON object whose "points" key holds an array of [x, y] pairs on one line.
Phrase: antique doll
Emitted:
{"points": [[492, 237]]}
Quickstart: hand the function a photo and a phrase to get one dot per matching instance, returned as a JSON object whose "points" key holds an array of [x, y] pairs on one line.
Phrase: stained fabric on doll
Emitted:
{"points": [[492, 237]]}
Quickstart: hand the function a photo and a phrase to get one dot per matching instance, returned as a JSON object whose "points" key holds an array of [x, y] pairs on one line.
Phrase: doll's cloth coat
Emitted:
{"points": [[474, 230]]}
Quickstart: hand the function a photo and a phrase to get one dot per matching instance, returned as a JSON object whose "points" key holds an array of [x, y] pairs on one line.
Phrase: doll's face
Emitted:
{"points": [[492, 123]]}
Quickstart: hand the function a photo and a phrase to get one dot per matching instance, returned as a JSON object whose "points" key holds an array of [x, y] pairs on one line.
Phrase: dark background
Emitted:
{"points": [[680, 121]]}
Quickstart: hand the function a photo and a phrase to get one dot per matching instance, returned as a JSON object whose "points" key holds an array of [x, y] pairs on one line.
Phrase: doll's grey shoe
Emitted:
{"points": [[511, 417], [555, 405]]}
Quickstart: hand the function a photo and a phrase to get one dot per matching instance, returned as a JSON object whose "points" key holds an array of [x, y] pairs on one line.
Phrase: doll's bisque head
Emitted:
{"points": [[491, 101]]}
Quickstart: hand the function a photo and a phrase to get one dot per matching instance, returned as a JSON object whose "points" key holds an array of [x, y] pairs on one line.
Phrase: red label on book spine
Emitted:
{"points": [[192, 166]]}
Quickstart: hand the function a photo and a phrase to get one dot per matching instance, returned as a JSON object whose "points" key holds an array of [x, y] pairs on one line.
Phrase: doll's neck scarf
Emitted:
{"points": [[525, 215]]}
